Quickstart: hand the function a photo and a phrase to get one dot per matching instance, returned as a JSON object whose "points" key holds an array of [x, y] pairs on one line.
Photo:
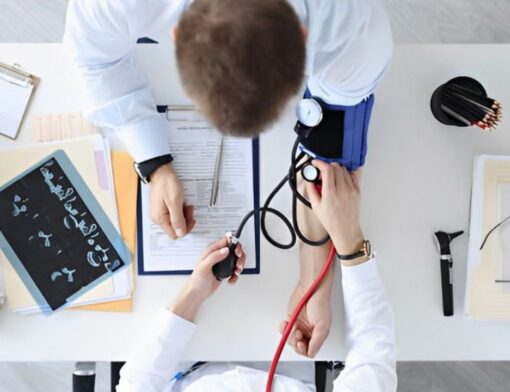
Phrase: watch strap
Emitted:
{"points": [[365, 251], [146, 168]]}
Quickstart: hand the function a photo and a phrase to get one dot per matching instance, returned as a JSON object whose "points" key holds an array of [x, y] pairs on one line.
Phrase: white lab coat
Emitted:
{"points": [[349, 47], [369, 366]]}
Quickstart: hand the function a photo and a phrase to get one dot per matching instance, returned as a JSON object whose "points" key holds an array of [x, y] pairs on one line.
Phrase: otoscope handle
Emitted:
{"points": [[443, 240], [447, 285], [226, 268]]}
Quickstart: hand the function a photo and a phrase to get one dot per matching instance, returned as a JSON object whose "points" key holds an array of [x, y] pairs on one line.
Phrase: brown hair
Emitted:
{"points": [[240, 60]]}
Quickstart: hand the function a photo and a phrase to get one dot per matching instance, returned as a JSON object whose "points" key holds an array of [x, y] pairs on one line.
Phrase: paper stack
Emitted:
{"points": [[61, 126], [92, 158], [487, 294]]}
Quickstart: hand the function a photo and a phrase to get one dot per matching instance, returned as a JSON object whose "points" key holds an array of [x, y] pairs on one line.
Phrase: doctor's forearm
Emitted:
{"points": [[187, 305]]}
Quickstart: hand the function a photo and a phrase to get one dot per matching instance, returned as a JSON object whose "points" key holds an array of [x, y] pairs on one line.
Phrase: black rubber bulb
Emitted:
{"points": [[226, 268]]}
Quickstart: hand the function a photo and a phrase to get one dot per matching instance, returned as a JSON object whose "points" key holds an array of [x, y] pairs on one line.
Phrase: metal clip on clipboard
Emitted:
{"points": [[16, 92], [14, 74], [167, 109]]}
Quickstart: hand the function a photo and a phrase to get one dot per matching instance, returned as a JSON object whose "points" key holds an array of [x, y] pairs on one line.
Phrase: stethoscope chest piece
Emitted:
{"points": [[310, 173]]}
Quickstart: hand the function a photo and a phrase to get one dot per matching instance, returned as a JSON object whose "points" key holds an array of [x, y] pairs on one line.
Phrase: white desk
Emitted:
{"points": [[417, 180]]}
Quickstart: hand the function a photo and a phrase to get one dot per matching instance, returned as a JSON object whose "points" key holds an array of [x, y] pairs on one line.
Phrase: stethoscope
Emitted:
{"points": [[309, 115], [310, 173]]}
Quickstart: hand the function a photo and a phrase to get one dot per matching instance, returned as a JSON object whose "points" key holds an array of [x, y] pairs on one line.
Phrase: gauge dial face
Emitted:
{"points": [[309, 112]]}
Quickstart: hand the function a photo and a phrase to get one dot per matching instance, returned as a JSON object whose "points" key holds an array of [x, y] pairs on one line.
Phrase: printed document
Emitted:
{"points": [[195, 145]]}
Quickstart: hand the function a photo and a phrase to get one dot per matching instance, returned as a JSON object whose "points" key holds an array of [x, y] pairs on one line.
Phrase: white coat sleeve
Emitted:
{"points": [[101, 35], [370, 365], [154, 362]]}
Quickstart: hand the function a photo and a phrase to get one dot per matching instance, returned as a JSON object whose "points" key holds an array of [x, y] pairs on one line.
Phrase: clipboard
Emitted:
{"points": [[164, 109], [17, 89]]}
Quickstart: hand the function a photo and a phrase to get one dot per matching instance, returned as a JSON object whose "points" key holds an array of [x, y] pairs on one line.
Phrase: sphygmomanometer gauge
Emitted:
{"points": [[309, 112]]}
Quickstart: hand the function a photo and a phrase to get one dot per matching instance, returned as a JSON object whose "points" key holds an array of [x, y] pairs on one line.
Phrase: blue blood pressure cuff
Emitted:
{"points": [[341, 135]]}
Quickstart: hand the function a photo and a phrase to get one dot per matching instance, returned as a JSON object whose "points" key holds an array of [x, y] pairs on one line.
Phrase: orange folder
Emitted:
{"points": [[126, 183]]}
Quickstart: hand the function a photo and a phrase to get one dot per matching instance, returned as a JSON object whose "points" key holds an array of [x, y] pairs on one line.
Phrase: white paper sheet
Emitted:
{"points": [[13, 103], [484, 298], [194, 145], [475, 223], [504, 229]]}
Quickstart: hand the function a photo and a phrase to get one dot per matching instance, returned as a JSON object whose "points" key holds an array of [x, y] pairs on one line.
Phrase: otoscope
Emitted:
{"points": [[443, 241]]}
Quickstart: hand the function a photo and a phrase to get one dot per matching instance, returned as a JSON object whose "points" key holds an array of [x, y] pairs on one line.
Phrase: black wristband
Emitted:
{"points": [[146, 168], [352, 256], [365, 251]]}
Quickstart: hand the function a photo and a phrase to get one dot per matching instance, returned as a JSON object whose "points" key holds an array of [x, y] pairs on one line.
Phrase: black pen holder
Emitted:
{"points": [[437, 102]]}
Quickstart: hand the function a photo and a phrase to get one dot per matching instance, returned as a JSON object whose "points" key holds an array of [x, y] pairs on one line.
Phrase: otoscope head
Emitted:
{"points": [[444, 239], [455, 235]]}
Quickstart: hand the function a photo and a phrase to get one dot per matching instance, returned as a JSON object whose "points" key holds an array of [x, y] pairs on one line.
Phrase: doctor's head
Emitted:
{"points": [[240, 61]]}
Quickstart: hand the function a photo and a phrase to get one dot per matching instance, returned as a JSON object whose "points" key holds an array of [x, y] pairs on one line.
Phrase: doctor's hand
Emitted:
{"points": [[202, 283], [167, 203], [337, 208]]}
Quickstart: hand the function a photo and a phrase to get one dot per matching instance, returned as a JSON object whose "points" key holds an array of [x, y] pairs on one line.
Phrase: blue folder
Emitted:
{"points": [[256, 222]]}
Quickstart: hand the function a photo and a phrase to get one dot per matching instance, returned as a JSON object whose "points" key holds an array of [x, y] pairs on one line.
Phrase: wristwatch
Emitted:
{"points": [[146, 168], [365, 251]]}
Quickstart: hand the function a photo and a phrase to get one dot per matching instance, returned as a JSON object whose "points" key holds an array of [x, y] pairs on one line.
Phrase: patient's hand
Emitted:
{"points": [[314, 322]]}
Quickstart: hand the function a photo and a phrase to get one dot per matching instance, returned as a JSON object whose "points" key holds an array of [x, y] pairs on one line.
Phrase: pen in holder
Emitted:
{"points": [[463, 102]]}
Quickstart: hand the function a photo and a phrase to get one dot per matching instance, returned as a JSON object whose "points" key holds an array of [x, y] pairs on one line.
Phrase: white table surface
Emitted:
{"points": [[417, 180]]}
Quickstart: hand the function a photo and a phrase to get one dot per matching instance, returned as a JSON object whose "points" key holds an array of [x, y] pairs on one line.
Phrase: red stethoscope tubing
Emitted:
{"points": [[295, 315]]}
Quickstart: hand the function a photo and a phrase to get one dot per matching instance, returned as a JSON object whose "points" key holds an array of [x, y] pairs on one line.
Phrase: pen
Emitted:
{"points": [[216, 177], [180, 375]]}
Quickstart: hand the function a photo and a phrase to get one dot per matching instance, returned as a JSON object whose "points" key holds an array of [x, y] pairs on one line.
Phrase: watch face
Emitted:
{"points": [[368, 248], [309, 112]]}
